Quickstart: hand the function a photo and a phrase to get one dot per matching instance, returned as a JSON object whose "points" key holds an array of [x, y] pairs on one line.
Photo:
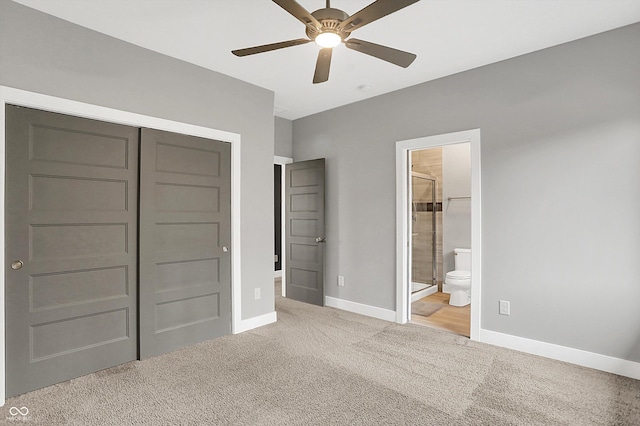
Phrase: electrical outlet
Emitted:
{"points": [[340, 281], [505, 307], [256, 293]]}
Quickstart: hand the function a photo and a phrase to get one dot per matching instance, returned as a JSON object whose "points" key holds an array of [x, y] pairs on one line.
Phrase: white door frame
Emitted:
{"points": [[282, 161], [403, 149], [24, 98]]}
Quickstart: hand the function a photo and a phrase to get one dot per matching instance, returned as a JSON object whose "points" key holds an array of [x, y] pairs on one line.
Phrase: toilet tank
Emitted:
{"points": [[462, 259]]}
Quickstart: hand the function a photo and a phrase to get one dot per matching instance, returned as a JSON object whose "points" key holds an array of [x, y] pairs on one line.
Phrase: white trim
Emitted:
{"points": [[236, 275], [24, 98], [282, 161], [255, 322], [402, 252], [359, 308], [593, 360], [476, 234]]}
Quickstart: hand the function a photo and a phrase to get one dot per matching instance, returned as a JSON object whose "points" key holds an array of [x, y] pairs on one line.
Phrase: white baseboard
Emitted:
{"points": [[593, 360], [359, 308], [255, 322]]}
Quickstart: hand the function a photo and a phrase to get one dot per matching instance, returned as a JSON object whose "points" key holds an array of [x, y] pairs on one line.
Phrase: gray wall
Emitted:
{"points": [[283, 145], [456, 214], [560, 188], [47, 55]]}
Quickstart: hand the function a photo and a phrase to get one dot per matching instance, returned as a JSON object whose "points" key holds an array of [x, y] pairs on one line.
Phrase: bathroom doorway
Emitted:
{"points": [[440, 193], [411, 244]]}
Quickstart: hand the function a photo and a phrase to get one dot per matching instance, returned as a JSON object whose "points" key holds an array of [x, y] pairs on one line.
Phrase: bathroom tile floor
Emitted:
{"points": [[450, 318]]}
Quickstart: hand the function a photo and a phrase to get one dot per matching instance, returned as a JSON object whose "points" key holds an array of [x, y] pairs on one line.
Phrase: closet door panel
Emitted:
{"points": [[71, 247], [185, 232]]}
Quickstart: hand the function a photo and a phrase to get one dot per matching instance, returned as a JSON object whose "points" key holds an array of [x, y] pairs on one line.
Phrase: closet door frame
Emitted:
{"points": [[34, 100]]}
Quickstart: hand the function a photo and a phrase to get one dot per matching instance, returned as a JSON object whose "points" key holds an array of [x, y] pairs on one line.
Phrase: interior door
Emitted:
{"points": [[71, 247], [185, 232], [277, 213], [304, 234]]}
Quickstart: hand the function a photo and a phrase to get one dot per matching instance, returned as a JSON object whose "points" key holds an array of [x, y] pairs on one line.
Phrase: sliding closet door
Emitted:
{"points": [[71, 247], [185, 232]]}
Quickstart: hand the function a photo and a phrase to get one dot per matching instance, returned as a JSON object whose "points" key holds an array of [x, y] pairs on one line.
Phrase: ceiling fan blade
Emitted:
{"points": [[269, 47], [322, 66], [373, 12], [299, 12], [389, 54]]}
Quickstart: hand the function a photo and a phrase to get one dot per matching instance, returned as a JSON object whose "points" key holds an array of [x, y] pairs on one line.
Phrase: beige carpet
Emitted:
{"points": [[322, 366]]}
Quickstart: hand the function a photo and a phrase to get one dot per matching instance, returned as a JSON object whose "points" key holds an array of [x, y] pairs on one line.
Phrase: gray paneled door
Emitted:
{"points": [[304, 234], [71, 247], [185, 232]]}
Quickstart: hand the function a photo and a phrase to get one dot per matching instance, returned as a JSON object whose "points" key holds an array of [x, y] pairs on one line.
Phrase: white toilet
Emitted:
{"points": [[459, 281]]}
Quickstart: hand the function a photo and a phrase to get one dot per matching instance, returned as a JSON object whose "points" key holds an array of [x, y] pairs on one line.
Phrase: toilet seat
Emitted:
{"points": [[459, 283], [459, 275]]}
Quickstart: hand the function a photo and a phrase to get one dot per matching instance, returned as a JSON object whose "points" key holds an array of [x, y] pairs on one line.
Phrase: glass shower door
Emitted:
{"points": [[423, 235]]}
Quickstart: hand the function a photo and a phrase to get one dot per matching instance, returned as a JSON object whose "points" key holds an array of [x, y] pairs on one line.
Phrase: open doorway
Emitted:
{"points": [[302, 266], [279, 226], [440, 237], [404, 227]]}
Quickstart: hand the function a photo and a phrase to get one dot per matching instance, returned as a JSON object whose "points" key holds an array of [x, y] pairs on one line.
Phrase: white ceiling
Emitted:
{"points": [[449, 36]]}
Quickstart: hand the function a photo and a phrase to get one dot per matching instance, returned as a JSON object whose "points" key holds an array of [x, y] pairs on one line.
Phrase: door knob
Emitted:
{"points": [[225, 249], [17, 264], [320, 240]]}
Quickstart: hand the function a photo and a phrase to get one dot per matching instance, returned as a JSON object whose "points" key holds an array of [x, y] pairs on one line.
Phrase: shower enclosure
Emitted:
{"points": [[422, 234]]}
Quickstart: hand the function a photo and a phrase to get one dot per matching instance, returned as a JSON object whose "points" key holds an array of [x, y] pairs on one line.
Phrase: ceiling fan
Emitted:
{"points": [[329, 27]]}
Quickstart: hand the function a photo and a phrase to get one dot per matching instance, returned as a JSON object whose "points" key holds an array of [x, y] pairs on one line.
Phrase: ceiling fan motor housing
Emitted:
{"points": [[330, 18]]}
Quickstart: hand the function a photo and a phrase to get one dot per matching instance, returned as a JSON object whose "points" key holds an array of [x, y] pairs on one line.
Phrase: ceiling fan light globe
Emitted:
{"points": [[328, 39]]}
